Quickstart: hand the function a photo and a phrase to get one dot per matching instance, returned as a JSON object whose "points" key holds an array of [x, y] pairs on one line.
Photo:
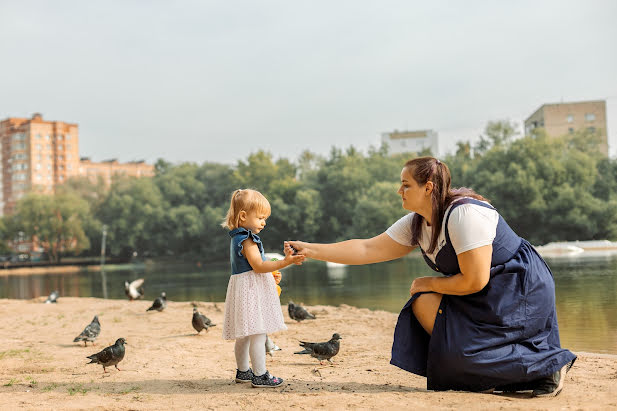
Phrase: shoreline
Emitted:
{"points": [[167, 363]]}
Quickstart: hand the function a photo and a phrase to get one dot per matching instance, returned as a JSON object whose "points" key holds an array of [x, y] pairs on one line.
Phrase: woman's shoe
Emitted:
{"points": [[552, 385], [266, 381], [244, 376]]}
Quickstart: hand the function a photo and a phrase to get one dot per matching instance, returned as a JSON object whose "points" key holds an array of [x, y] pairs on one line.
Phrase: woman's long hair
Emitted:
{"points": [[422, 170]]}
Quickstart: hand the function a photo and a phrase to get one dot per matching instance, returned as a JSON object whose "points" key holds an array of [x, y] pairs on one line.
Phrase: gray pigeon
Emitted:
{"points": [[111, 355], [134, 290], [159, 303], [271, 346], [53, 297], [321, 351], [298, 313], [90, 333], [200, 321]]}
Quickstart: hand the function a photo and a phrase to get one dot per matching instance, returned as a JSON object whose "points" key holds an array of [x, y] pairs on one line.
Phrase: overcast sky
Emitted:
{"points": [[216, 80]]}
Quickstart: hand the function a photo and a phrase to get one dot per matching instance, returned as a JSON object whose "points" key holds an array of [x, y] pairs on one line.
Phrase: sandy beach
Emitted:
{"points": [[168, 366]]}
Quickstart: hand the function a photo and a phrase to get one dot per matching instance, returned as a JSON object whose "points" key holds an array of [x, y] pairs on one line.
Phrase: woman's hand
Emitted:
{"points": [[421, 284], [290, 257], [301, 247]]}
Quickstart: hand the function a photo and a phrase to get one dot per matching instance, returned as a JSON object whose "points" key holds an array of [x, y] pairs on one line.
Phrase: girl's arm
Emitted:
{"points": [[252, 254], [475, 273], [354, 252]]}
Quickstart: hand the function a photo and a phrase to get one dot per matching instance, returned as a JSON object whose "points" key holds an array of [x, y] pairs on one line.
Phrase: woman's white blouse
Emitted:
{"points": [[470, 226]]}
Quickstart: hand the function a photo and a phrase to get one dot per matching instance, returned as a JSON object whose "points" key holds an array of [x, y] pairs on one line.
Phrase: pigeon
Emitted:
{"points": [[111, 355], [200, 321], [90, 333], [321, 351], [53, 297], [298, 313], [134, 290], [271, 346], [159, 303]]}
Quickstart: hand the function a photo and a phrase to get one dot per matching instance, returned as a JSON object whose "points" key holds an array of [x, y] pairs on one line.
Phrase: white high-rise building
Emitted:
{"points": [[412, 141]]}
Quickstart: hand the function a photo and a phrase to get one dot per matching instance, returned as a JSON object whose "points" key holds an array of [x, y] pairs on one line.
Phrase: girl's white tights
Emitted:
{"points": [[255, 346]]}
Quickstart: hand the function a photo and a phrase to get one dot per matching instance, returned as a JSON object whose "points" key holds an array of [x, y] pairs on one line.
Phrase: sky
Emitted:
{"points": [[213, 81]]}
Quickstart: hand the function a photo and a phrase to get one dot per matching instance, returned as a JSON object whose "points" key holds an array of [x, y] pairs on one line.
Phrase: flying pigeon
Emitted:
{"points": [[271, 346], [200, 321], [53, 297], [321, 351], [111, 355], [90, 333], [134, 290], [298, 313], [159, 303]]}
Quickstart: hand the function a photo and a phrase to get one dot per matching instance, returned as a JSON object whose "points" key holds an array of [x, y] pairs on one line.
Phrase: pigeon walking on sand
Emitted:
{"points": [[323, 350], [271, 346], [90, 333], [53, 297], [159, 303], [200, 321], [298, 313], [111, 355], [134, 290]]}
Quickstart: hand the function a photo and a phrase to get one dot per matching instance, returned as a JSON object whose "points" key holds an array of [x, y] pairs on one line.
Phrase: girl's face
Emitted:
{"points": [[414, 196], [255, 221]]}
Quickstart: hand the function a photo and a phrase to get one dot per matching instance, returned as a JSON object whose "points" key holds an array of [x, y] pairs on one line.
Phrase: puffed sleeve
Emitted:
{"points": [[472, 226]]}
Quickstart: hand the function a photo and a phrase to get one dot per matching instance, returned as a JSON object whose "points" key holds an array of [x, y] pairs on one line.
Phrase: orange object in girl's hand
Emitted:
{"points": [[277, 279]]}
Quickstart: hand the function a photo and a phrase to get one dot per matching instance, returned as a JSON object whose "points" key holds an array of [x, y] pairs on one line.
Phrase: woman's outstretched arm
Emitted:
{"points": [[354, 252]]}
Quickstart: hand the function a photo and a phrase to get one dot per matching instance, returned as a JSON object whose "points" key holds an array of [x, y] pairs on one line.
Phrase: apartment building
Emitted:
{"points": [[411, 141], [559, 119], [35, 154], [107, 169], [38, 154]]}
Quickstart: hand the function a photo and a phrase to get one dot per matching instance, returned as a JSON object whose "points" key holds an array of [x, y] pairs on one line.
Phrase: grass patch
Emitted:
{"points": [[50, 387], [60, 316], [11, 382], [32, 381], [13, 353], [117, 320], [77, 389], [129, 390]]}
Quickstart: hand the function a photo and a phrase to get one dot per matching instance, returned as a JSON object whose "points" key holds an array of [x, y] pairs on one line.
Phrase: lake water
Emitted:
{"points": [[586, 289]]}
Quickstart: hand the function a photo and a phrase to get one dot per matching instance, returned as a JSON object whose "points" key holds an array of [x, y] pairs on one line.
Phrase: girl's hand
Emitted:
{"points": [[301, 247], [421, 284], [290, 257]]}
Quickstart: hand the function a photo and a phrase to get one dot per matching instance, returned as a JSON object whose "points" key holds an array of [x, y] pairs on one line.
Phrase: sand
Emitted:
{"points": [[168, 366]]}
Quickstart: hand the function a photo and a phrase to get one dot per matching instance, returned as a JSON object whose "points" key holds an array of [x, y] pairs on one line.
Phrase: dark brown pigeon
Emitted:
{"points": [[298, 313], [111, 355], [323, 350], [200, 321], [90, 333], [159, 303]]}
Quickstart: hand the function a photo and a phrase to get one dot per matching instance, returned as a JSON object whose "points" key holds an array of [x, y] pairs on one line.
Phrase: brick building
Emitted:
{"points": [[560, 119], [38, 154]]}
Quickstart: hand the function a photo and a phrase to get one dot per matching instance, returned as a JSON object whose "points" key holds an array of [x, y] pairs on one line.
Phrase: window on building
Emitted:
{"points": [[590, 117], [38, 147], [61, 167], [68, 146], [59, 146], [571, 130], [60, 158], [48, 178], [39, 157], [69, 167], [49, 166], [68, 156], [60, 136], [49, 146], [61, 178], [68, 136], [570, 118], [591, 129], [39, 177], [38, 137], [49, 156], [47, 137], [38, 166]]}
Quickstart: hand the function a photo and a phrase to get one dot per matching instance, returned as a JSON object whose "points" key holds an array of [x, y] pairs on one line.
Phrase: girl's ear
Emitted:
{"points": [[242, 215]]}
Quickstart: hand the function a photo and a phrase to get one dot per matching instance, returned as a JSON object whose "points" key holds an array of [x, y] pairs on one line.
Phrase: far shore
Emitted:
{"points": [[168, 365]]}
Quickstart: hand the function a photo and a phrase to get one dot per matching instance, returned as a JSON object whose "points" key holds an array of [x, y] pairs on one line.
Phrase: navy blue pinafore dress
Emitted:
{"points": [[506, 333]]}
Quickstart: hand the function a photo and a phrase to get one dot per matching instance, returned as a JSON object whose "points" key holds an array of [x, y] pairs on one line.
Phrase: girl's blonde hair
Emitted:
{"points": [[244, 200]]}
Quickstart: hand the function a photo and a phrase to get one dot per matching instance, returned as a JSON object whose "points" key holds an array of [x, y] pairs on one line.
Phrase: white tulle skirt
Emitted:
{"points": [[252, 306]]}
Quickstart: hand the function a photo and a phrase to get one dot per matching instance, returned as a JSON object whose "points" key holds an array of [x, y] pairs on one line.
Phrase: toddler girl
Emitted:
{"points": [[252, 306]]}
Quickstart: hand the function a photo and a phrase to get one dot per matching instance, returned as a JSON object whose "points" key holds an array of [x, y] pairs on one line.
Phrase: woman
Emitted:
{"points": [[490, 322]]}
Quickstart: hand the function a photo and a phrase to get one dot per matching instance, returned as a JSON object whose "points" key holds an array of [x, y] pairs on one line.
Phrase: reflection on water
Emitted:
{"points": [[586, 289]]}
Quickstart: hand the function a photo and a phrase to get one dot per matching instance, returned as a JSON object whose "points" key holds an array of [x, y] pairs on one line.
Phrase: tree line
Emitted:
{"points": [[547, 189]]}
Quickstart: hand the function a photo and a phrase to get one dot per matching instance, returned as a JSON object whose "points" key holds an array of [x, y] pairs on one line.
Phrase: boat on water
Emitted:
{"points": [[576, 248]]}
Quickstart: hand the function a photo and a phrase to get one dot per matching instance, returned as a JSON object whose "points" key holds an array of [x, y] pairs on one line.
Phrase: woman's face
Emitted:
{"points": [[414, 196]]}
